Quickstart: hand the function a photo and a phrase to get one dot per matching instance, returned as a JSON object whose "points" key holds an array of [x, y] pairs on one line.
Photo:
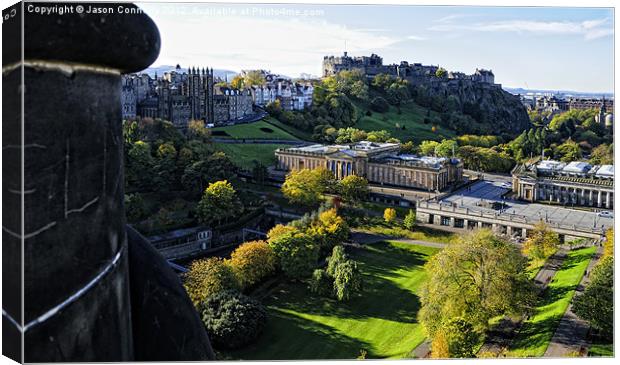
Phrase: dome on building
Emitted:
{"points": [[609, 120]]}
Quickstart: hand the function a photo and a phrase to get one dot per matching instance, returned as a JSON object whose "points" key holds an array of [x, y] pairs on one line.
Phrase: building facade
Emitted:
{"points": [[293, 95], [181, 96], [575, 183], [379, 163]]}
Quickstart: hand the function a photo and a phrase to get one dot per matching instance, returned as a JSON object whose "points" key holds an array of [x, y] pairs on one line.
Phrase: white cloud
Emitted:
{"points": [[589, 29], [285, 45], [416, 38]]}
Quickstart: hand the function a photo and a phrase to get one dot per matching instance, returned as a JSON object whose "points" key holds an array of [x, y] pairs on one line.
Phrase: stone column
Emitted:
{"points": [[524, 233], [76, 304], [599, 198], [509, 230], [608, 200], [479, 224], [591, 199]]}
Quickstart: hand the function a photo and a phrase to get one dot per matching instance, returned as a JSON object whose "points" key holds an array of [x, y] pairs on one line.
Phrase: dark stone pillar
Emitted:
{"points": [[76, 277]]}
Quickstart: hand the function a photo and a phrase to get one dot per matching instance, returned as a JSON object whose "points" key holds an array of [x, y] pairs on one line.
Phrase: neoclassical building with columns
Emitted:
{"points": [[575, 183], [379, 163]]}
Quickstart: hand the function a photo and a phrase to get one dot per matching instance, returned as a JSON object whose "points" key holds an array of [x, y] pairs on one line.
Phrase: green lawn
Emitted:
{"points": [[243, 155], [536, 332], [381, 321], [411, 117], [258, 130], [418, 233], [302, 135]]}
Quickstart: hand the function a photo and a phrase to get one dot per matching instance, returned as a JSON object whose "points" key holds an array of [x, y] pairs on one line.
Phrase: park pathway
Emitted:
{"points": [[500, 337], [571, 335]]}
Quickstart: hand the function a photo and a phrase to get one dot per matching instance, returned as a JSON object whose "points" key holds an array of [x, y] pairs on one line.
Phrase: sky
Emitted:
{"points": [[534, 48]]}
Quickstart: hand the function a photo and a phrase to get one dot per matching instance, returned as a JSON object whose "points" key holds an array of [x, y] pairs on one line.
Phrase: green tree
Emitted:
{"points": [[237, 82], [328, 230], [321, 283], [479, 277], [409, 221], [353, 188], [218, 202], [568, 151], [602, 155], [542, 242], [297, 254], [135, 209], [446, 148], [306, 186], [337, 257], [232, 319], [456, 339], [347, 280], [140, 165], [596, 304], [427, 148]]}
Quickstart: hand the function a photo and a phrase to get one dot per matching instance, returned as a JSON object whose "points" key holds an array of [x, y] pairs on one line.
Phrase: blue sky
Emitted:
{"points": [[542, 48]]}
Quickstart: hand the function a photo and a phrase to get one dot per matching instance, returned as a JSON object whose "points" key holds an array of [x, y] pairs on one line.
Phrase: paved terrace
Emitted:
{"points": [[475, 204]]}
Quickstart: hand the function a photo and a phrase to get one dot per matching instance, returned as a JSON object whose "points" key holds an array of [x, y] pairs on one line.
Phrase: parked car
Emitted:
{"points": [[606, 214]]}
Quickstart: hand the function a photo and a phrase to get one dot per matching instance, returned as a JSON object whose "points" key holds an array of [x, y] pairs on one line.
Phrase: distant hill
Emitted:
{"points": [[161, 69], [583, 94]]}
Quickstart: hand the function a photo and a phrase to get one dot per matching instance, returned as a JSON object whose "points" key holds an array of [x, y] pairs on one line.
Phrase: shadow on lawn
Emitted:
{"points": [[535, 334], [381, 296], [288, 337]]}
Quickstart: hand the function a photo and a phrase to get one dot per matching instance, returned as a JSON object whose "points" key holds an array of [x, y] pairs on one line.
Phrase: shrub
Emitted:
{"points": [[232, 319], [338, 257], [209, 277], [252, 261], [321, 283]]}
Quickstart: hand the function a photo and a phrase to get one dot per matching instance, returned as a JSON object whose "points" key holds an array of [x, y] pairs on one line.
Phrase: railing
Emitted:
{"points": [[505, 217]]}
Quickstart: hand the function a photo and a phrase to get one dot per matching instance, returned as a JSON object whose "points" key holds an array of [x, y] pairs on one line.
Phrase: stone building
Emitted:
{"points": [[293, 95], [181, 96], [414, 72], [575, 183], [379, 163]]}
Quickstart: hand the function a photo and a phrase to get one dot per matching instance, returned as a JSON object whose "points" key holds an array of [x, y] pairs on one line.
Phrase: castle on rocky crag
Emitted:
{"points": [[184, 96], [373, 65]]}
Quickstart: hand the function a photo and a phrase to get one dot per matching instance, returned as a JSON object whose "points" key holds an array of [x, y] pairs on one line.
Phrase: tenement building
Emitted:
{"points": [[574, 183], [379, 163]]}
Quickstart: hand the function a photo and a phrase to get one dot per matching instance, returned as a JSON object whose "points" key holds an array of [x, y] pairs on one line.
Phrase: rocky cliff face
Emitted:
{"points": [[495, 109]]}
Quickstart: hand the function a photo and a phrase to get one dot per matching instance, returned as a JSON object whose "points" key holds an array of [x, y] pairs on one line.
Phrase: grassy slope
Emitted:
{"points": [[536, 333], [382, 320], [253, 130], [243, 155], [601, 349], [299, 134], [412, 117]]}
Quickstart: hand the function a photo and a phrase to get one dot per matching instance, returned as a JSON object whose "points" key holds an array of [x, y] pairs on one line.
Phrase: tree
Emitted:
{"points": [[328, 230], [446, 148], [353, 188], [389, 214], [140, 164], [427, 148], [441, 72], [379, 105], [409, 221], [237, 82], [280, 230], [455, 339], [347, 280], [479, 277], [306, 186], [207, 277], [596, 304], [542, 243], [252, 261], [297, 254], [196, 129], [232, 319], [218, 202], [602, 155], [135, 209], [568, 151], [338, 257], [609, 243], [260, 173]]}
